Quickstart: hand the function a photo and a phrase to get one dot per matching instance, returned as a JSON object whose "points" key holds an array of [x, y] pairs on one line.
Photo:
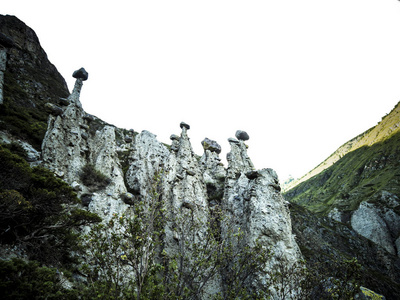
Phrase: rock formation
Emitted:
{"points": [[77, 143], [379, 224], [253, 198], [189, 187], [70, 144]]}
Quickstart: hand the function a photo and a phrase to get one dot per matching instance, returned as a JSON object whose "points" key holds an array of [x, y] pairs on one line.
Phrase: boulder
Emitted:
{"points": [[184, 125], [84, 135], [76, 186], [81, 74], [211, 145], [232, 140], [174, 137], [128, 139], [242, 135], [128, 198], [63, 101], [367, 222]]}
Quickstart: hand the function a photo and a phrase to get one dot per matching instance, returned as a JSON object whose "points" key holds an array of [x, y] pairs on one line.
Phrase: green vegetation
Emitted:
{"points": [[356, 177], [26, 123], [23, 113], [37, 211], [93, 179], [28, 280], [128, 256]]}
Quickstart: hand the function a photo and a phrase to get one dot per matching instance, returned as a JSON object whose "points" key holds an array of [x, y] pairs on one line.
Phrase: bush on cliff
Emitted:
{"points": [[93, 179], [37, 211]]}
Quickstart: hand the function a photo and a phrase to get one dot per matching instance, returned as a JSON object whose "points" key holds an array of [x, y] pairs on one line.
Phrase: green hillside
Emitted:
{"points": [[359, 170]]}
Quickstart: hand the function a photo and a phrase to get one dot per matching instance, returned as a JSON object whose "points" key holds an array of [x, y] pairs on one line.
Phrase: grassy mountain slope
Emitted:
{"points": [[359, 170]]}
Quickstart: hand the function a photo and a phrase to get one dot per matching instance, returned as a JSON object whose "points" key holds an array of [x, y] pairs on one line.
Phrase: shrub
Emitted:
{"points": [[37, 212], [94, 179], [128, 258], [28, 280]]}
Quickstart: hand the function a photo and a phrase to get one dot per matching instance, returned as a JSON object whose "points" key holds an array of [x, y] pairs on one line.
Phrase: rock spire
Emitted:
{"points": [[190, 188]]}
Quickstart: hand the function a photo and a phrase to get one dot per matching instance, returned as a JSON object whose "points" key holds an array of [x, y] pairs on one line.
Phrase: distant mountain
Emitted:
{"points": [[359, 184], [359, 170], [385, 129]]}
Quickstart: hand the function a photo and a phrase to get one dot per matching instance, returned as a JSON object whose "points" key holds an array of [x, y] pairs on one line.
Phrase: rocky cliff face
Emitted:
{"points": [[75, 143], [30, 81], [189, 184], [323, 239]]}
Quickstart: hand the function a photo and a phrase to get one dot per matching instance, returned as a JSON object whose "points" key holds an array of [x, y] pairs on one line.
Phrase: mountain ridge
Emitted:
{"points": [[389, 125]]}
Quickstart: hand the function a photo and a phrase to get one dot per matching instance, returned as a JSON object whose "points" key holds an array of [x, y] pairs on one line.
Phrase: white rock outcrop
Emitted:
{"points": [[253, 198], [68, 146], [367, 222], [190, 188]]}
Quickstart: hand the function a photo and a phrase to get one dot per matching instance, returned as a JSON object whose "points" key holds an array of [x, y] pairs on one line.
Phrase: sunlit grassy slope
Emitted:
{"points": [[359, 170]]}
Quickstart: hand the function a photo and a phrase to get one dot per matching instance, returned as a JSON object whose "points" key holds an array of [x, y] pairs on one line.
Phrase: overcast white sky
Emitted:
{"points": [[301, 77]]}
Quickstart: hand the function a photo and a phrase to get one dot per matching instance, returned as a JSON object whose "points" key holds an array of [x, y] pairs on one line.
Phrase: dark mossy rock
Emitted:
{"points": [[5, 41], [128, 198], [30, 81], [252, 175], [53, 109], [86, 199], [211, 145], [81, 74]]}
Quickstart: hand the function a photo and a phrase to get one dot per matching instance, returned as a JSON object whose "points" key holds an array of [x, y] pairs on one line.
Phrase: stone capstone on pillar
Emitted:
{"points": [[80, 75], [242, 135], [211, 145]]}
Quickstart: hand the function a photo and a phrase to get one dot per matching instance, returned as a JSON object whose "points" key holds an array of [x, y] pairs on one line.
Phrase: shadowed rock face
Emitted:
{"points": [[30, 81], [25, 42]]}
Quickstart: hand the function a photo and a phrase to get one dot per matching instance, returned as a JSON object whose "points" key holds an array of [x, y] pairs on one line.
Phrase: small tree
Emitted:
{"points": [[243, 266], [39, 211], [193, 266], [131, 257], [123, 250]]}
